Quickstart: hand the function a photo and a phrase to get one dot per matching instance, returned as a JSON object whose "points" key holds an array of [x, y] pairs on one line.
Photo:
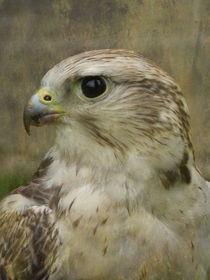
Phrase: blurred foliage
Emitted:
{"points": [[35, 35], [9, 182]]}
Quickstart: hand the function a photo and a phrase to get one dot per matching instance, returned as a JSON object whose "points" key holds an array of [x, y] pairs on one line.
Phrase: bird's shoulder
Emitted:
{"points": [[28, 234], [34, 191]]}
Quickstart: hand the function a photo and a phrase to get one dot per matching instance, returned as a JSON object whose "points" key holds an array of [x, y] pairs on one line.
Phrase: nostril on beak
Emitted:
{"points": [[47, 97]]}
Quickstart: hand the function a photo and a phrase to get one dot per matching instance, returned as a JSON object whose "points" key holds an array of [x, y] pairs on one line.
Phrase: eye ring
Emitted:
{"points": [[93, 86]]}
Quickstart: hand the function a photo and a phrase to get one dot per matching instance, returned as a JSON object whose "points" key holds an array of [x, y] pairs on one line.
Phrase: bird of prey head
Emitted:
{"points": [[118, 196], [110, 104]]}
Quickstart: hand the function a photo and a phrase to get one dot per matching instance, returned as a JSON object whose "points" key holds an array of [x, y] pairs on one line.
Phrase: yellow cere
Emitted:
{"points": [[43, 93]]}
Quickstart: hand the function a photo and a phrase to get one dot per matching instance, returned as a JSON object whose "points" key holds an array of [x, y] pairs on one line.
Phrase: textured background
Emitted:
{"points": [[36, 34]]}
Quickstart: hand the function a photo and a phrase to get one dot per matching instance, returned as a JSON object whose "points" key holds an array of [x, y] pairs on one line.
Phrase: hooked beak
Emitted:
{"points": [[40, 110]]}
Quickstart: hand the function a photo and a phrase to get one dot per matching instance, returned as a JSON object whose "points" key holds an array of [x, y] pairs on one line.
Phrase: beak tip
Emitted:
{"points": [[28, 132], [27, 129], [26, 121]]}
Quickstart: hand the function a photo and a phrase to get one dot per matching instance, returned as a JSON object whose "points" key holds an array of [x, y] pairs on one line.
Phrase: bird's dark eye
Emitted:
{"points": [[93, 86]]}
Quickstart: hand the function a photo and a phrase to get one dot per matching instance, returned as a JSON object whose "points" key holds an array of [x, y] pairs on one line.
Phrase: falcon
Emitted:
{"points": [[118, 196]]}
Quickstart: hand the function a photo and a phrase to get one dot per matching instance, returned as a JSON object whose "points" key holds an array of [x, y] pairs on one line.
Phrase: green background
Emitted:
{"points": [[37, 34]]}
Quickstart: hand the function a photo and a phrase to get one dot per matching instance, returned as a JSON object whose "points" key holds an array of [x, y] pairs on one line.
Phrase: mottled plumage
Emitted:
{"points": [[118, 196]]}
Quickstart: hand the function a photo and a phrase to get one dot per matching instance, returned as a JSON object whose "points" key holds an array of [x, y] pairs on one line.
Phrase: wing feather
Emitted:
{"points": [[29, 243], [29, 240]]}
